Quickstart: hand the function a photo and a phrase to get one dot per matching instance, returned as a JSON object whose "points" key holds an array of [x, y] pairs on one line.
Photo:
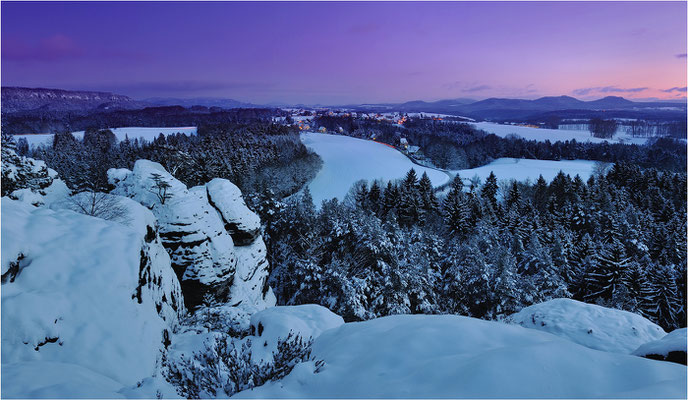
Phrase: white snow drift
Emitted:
{"points": [[271, 324], [81, 306], [590, 325], [433, 356]]}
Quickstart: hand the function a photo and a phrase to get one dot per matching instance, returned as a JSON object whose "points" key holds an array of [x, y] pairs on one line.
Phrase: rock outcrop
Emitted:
{"points": [[671, 347], [212, 237], [86, 302]]}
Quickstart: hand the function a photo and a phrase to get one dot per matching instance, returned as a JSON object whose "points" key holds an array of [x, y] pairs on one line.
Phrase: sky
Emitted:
{"points": [[339, 53]]}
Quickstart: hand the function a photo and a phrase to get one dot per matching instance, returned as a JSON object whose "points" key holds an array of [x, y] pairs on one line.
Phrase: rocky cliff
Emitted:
{"points": [[212, 237]]}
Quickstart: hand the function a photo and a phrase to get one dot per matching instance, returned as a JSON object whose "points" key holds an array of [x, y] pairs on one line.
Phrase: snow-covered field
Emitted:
{"points": [[553, 135], [347, 160], [449, 356], [522, 169], [147, 134]]}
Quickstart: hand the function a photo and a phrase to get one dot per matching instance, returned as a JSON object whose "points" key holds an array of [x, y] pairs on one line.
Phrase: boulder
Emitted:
{"points": [[671, 347]]}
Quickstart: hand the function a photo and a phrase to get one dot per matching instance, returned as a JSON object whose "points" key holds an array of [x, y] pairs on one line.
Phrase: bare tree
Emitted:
{"points": [[99, 204]]}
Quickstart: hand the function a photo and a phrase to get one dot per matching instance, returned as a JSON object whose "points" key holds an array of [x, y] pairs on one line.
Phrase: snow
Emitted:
{"points": [[522, 169], [553, 135], [147, 134], [77, 285], [228, 199], [186, 217], [55, 380], [199, 232], [271, 324], [590, 325], [447, 356], [676, 340], [347, 160]]}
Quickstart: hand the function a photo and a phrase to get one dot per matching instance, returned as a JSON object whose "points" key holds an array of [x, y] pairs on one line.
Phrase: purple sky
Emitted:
{"points": [[349, 52]]}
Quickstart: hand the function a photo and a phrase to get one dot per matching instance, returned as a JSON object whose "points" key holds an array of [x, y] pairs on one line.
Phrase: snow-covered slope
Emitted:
{"points": [[590, 325], [87, 304], [522, 169], [197, 233], [132, 132], [271, 324], [671, 347], [553, 135], [456, 357], [347, 160]]}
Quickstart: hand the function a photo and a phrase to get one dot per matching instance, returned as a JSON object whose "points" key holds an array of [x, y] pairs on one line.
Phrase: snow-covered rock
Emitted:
{"points": [[447, 356], [241, 223], [274, 323], [194, 232], [590, 325], [671, 347], [87, 304]]}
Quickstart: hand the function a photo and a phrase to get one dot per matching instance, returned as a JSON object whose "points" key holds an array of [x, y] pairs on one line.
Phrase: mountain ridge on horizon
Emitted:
{"points": [[16, 98]]}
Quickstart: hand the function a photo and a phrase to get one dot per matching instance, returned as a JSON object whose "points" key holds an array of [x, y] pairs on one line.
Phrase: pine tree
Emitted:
{"points": [[513, 198], [456, 211], [604, 280], [489, 190], [666, 305], [375, 197], [429, 202]]}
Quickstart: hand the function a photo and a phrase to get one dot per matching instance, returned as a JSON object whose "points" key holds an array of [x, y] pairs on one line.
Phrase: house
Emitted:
{"points": [[404, 143], [413, 149]]}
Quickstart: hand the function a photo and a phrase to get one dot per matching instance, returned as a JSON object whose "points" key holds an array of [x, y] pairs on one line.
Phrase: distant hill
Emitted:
{"points": [[15, 99], [503, 109], [200, 101]]}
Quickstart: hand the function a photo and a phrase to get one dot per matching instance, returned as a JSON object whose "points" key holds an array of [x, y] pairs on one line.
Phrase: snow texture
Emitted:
{"points": [[196, 232], [347, 160], [86, 303], [676, 340], [589, 325], [271, 324], [522, 169], [553, 135], [147, 134], [241, 223], [447, 356]]}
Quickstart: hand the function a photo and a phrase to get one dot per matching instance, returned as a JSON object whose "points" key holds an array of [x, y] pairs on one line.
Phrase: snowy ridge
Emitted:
{"points": [[590, 325], [447, 356]]}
